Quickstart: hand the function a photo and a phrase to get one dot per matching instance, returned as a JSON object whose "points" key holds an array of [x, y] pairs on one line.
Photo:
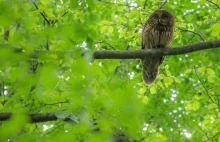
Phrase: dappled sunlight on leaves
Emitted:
{"points": [[46, 66]]}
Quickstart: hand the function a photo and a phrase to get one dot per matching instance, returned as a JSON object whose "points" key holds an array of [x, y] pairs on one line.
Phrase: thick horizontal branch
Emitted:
{"points": [[139, 54], [35, 118], [125, 54]]}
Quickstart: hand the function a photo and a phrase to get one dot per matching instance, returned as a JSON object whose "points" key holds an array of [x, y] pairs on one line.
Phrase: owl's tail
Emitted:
{"points": [[150, 69]]}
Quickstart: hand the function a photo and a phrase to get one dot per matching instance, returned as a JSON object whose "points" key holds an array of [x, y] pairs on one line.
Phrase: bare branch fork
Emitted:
{"points": [[139, 54]]}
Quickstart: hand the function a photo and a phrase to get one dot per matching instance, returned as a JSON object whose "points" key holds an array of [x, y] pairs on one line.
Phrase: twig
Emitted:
{"points": [[54, 22], [191, 38], [183, 30], [66, 101], [165, 2], [142, 139], [128, 47], [212, 137], [214, 4], [42, 14], [47, 44], [54, 129], [106, 43], [207, 93]]}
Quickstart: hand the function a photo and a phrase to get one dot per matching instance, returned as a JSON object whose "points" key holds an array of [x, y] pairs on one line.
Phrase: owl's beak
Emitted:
{"points": [[159, 20]]}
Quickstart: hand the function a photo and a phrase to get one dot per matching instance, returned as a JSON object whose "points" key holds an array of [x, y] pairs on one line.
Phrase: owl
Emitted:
{"points": [[157, 33]]}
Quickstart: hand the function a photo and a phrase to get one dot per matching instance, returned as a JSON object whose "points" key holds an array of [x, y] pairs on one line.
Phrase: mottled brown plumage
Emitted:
{"points": [[157, 33]]}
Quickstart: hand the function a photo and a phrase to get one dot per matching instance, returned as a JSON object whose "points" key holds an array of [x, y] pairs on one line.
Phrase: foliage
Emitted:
{"points": [[105, 98]]}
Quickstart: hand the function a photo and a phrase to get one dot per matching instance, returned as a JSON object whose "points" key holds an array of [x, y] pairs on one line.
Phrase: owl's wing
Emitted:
{"points": [[144, 29]]}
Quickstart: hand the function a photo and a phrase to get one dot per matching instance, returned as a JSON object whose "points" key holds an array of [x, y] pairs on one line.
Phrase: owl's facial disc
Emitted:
{"points": [[162, 22], [162, 18]]}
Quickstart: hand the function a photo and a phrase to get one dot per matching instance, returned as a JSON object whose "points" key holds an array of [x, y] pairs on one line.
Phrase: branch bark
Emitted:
{"points": [[134, 54], [35, 118], [140, 54]]}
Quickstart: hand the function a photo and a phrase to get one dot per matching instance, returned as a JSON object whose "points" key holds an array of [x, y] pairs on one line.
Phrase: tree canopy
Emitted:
{"points": [[53, 88]]}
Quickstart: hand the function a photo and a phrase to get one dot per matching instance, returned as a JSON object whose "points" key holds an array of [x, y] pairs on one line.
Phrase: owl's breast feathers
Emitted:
{"points": [[159, 35]]}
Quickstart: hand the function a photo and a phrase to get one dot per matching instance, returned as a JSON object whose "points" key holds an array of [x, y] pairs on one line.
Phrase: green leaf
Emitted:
{"points": [[153, 89], [215, 30], [142, 90], [45, 2], [140, 96], [159, 83], [189, 106], [196, 98], [168, 81], [195, 105], [166, 67], [212, 106], [190, 27], [13, 126], [141, 84], [110, 29], [201, 70], [97, 96], [145, 99], [168, 73], [217, 13], [161, 76], [177, 80], [210, 71], [2, 73], [188, 71], [216, 27], [211, 79]]}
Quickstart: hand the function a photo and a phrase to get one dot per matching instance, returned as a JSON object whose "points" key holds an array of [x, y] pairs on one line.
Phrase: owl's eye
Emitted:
{"points": [[164, 16]]}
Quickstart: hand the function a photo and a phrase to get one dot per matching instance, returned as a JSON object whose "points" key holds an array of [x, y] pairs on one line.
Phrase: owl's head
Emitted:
{"points": [[162, 17]]}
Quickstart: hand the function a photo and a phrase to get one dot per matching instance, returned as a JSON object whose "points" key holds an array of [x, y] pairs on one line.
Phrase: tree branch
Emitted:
{"points": [[135, 54], [214, 4], [35, 118], [57, 103], [192, 32], [42, 14], [212, 137], [107, 44], [54, 22], [139, 54], [207, 92]]}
